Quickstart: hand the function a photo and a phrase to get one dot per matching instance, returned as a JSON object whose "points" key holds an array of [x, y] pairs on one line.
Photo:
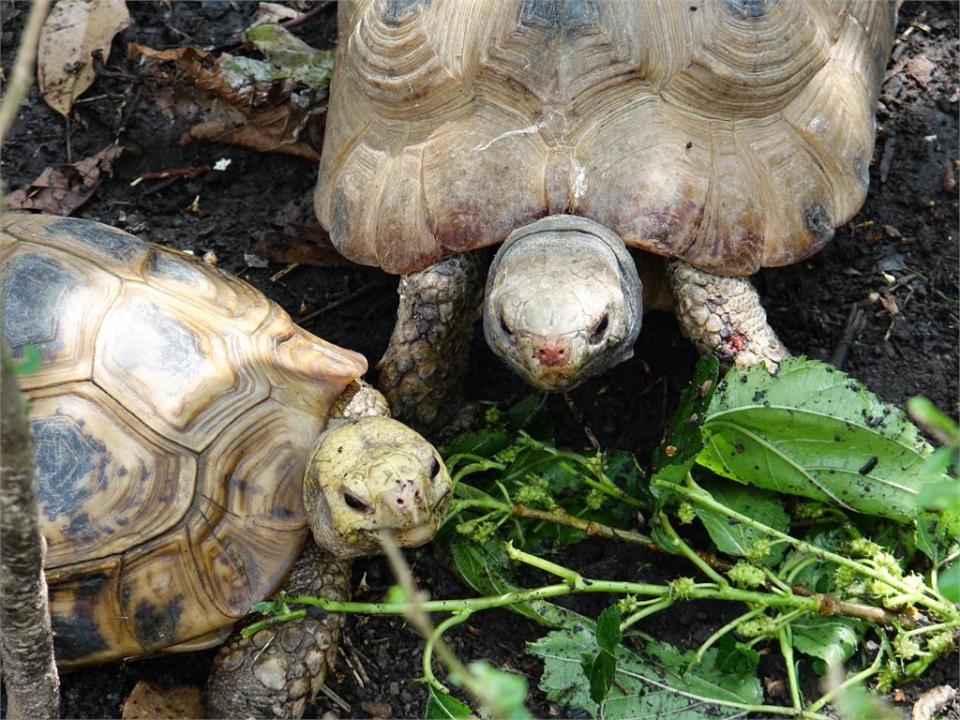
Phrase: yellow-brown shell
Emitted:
{"points": [[733, 134], [173, 413]]}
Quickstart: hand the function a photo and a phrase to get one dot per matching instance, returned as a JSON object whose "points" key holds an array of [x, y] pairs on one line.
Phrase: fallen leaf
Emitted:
{"points": [[920, 69], [72, 33], [268, 12], [238, 100], [148, 700], [62, 190]]}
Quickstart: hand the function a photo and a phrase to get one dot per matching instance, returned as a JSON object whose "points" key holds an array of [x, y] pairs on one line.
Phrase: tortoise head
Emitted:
{"points": [[563, 301], [369, 475]]}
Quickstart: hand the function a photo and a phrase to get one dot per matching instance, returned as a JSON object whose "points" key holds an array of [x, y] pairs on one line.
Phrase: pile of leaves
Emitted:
{"points": [[832, 524]]}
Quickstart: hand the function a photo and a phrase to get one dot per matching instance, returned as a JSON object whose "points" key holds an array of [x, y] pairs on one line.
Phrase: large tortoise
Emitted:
{"points": [[721, 135], [189, 438]]}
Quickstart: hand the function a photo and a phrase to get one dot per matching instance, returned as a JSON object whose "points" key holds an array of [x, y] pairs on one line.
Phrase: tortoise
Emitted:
{"points": [[709, 137], [189, 439]]}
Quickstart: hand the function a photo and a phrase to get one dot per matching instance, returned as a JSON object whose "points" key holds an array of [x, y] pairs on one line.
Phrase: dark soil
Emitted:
{"points": [[907, 229]]}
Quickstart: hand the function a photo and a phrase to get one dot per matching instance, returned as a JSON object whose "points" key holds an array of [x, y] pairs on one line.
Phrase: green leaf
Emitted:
{"points": [[948, 582], [484, 443], [292, 56], [683, 440], [651, 683], [26, 360], [935, 421], [504, 692], [599, 666], [486, 568], [441, 706], [813, 431], [832, 639], [531, 415], [736, 538]]}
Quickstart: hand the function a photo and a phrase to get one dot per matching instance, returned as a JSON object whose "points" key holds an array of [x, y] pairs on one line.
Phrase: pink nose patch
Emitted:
{"points": [[552, 354]]}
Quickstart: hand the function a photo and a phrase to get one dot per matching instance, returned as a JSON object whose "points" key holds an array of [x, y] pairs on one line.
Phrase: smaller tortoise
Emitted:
{"points": [[189, 437], [700, 139]]}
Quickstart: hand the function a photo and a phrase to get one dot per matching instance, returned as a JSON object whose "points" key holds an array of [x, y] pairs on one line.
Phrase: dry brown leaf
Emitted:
{"points": [[920, 69], [62, 190], [264, 115], [148, 700], [73, 31]]}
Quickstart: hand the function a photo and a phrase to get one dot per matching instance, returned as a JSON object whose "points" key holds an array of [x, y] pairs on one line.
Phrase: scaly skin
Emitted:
{"points": [[422, 370], [367, 473], [723, 316], [279, 670]]}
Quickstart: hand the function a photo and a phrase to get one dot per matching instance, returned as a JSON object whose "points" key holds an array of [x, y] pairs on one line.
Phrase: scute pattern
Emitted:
{"points": [[708, 130], [174, 410]]}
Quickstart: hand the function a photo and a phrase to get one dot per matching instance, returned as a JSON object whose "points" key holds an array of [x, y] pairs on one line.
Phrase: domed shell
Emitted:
{"points": [[733, 134], [173, 414]]}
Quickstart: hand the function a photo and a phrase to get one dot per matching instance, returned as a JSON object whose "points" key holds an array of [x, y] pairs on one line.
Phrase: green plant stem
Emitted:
{"points": [[580, 585], [649, 610], [256, 627], [786, 649], [559, 516], [860, 677], [732, 625], [704, 499], [689, 552], [933, 628], [435, 636], [570, 577]]}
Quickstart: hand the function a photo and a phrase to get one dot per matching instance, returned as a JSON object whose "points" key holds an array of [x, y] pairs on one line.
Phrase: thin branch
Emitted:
{"points": [[22, 74]]}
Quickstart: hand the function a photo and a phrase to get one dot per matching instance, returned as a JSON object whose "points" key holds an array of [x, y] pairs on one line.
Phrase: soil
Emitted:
{"points": [[897, 261]]}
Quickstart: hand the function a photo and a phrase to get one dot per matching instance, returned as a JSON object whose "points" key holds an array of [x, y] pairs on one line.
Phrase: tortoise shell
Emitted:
{"points": [[733, 134], [173, 415]]}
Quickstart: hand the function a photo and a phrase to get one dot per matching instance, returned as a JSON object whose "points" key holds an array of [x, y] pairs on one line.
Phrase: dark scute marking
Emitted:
{"points": [[155, 627], [80, 529], [395, 11], [71, 465], [35, 290], [570, 16], [340, 223], [750, 8], [173, 268], [164, 344], [77, 634], [818, 222], [115, 243]]}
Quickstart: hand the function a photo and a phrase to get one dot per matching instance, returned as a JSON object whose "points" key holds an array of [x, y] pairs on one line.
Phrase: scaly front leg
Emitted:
{"points": [[723, 315], [422, 370]]}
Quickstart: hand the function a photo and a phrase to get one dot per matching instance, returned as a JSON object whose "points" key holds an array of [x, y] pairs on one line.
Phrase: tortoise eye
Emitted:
{"points": [[434, 468], [600, 330], [355, 503], [503, 326]]}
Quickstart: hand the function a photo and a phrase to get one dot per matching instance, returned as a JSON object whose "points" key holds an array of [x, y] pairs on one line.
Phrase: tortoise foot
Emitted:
{"points": [[278, 671], [723, 316]]}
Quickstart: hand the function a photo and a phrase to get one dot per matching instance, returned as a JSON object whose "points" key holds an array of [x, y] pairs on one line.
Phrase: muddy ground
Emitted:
{"points": [[906, 231]]}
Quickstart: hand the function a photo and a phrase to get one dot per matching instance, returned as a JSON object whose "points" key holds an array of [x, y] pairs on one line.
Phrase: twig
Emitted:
{"points": [[578, 416], [337, 303], [22, 74], [853, 327]]}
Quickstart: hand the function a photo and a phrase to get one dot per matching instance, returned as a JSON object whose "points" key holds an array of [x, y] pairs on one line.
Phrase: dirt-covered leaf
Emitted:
{"points": [[737, 538], [291, 56], [832, 639], [651, 683], [62, 190], [813, 431], [441, 706], [72, 33]]}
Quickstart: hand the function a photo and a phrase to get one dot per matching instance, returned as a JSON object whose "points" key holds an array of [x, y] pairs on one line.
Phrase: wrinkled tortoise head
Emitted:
{"points": [[370, 475], [563, 301]]}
